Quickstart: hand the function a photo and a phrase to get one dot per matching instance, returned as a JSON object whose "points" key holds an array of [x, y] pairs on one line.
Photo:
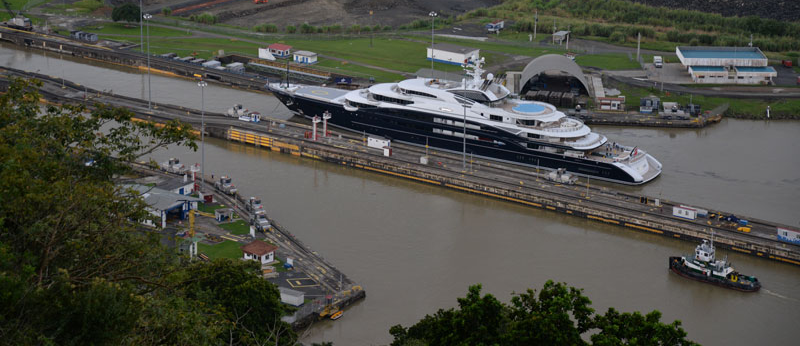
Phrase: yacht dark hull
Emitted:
{"points": [[418, 128], [680, 269]]}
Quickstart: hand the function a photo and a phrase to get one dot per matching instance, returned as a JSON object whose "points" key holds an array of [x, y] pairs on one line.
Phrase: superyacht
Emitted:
{"points": [[498, 126]]}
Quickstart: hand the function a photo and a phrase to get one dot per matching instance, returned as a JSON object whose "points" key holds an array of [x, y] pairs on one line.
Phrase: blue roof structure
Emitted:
{"points": [[721, 54], [708, 68], [755, 69]]}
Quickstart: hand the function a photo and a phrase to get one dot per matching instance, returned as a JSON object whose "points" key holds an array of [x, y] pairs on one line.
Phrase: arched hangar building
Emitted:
{"points": [[550, 74]]}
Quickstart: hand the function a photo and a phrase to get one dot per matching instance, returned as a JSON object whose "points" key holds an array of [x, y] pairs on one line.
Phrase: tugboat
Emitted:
{"points": [[704, 267]]}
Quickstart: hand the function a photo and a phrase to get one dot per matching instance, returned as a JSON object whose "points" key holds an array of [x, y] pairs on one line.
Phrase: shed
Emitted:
{"points": [[235, 67], [292, 297], [162, 203], [612, 103], [260, 251], [305, 57], [648, 105], [280, 50], [560, 36], [212, 64], [452, 54]]}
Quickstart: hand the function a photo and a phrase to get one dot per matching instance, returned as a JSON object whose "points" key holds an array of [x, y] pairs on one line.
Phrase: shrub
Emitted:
{"points": [[617, 36]]}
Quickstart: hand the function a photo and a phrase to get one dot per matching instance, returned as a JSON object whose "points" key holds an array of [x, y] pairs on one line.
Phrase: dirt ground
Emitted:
{"points": [[327, 12]]}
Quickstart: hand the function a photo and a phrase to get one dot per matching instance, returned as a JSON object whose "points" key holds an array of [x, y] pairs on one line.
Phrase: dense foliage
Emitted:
{"points": [[557, 315], [74, 270], [128, 12]]}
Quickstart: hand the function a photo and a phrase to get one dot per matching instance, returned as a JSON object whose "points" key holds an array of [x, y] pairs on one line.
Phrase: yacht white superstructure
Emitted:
{"points": [[495, 124]]}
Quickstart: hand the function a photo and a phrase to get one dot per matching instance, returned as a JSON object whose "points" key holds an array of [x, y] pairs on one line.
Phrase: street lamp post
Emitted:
{"points": [[372, 31], [433, 17], [147, 17], [464, 124], [202, 85], [141, 29]]}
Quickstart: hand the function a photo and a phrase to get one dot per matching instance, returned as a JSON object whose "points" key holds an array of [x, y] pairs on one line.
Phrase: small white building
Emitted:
{"points": [[280, 50], [264, 54], [259, 251], [163, 204], [305, 57], [292, 297], [235, 67], [452, 54]]}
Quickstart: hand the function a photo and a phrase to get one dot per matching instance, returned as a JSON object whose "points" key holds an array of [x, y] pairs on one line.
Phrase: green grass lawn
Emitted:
{"points": [[237, 227], [226, 249], [400, 55], [510, 47], [206, 208], [610, 61], [355, 70], [133, 30], [737, 107]]}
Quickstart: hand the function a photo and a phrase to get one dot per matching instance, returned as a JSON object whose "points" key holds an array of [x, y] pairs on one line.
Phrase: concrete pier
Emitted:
{"points": [[509, 182]]}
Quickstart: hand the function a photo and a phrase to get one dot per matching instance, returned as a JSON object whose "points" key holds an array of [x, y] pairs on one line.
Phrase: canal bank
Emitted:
{"points": [[417, 247], [495, 179], [260, 73]]}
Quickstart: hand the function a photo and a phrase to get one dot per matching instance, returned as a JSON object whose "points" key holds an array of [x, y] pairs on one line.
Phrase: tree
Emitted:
{"points": [[251, 304], [557, 315], [128, 12], [75, 269]]}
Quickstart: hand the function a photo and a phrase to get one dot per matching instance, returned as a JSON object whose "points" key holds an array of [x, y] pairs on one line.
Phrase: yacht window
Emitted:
{"points": [[391, 99], [496, 117], [474, 95], [526, 122], [419, 93]]}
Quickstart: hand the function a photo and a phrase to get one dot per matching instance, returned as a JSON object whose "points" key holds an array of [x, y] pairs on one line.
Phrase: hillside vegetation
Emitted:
{"points": [[619, 21], [774, 9]]}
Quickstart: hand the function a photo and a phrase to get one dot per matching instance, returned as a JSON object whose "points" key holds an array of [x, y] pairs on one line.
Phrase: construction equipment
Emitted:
{"points": [[17, 21]]}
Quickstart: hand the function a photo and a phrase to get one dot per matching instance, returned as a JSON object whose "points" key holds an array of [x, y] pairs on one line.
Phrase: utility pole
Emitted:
{"points": [[638, 44], [141, 29], [147, 17], [535, 23], [464, 153], [433, 17], [202, 84], [372, 32]]}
